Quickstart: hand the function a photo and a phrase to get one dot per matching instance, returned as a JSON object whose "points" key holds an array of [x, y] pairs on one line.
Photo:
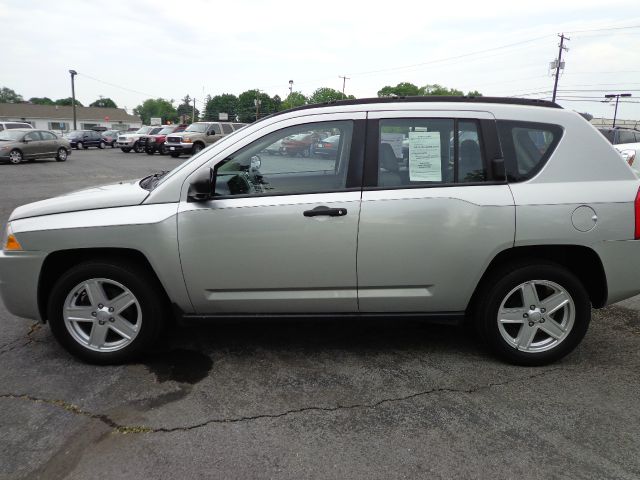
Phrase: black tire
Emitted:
{"points": [[80, 145], [150, 151], [101, 145], [125, 149], [497, 288], [175, 154], [144, 287], [62, 155], [15, 156], [197, 148], [163, 149], [138, 147], [113, 144]]}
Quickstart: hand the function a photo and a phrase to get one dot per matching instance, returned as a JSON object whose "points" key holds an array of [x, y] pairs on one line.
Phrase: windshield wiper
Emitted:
{"points": [[149, 182]]}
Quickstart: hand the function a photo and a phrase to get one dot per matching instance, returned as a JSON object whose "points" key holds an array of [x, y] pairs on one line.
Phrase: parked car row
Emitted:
{"points": [[627, 142]]}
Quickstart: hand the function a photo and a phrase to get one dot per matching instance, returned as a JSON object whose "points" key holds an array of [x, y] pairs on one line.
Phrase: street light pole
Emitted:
{"points": [[290, 87], [617, 97], [73, 97]]}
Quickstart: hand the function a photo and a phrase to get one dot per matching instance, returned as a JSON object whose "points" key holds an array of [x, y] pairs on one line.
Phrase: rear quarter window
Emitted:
{"points": [[527, 146]]}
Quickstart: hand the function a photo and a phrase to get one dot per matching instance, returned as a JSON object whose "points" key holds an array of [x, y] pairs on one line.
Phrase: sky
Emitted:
{"points": [[137, 49]]}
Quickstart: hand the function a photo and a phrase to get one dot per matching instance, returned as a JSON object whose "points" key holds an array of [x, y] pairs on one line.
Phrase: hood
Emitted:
{"points": [[123, 194], [132, 135]]}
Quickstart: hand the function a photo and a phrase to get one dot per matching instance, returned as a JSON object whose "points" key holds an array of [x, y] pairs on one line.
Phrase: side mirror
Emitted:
{"points": [[201, 189]]}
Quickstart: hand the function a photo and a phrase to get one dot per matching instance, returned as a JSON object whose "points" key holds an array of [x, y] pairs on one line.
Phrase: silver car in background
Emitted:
{"points": [[514, 215], [22, 144]]}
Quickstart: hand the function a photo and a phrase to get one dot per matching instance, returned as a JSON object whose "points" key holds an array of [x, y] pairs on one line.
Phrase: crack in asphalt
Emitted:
{"points": [[29, 339], [129, 429]]}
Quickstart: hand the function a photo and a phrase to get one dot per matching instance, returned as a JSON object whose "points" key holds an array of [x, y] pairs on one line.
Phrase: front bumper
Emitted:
{"points": [[19, 276], [179, 147], [126, 143]]}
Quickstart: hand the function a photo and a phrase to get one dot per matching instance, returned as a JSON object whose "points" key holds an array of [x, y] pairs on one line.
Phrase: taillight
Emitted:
{"points": [[637, 210]]}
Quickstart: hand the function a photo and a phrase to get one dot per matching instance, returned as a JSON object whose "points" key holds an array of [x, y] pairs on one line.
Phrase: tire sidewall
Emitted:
{"points": [[500, 285], [136, 280], [62, 158]]}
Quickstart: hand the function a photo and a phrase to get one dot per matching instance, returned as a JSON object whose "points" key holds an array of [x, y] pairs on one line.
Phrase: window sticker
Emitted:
{"points": [[395, 140], [425, 160]]}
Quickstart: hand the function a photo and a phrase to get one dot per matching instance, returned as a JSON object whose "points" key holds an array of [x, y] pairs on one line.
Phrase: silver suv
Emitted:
{"points": [[515, 215], [198, 136]]}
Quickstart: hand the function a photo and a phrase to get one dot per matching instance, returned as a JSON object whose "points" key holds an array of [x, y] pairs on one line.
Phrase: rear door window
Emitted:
{"points": [[527, 146], [215, 129], [226, 128], [627, 137]]}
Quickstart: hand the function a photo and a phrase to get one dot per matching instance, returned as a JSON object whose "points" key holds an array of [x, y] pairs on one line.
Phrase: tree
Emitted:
{"points": [[247, 105], [158, 107], [474, 93], [68, 102], [186, 108], [41, 101], [404, 89], [294, 99], [225, 103], [9, 96], [326, 94], [104, 103], [439, 90], [277, 103]]}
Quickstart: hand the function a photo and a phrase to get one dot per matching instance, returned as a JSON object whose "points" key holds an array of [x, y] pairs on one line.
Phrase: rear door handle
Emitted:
{"points": [[322, 210]]}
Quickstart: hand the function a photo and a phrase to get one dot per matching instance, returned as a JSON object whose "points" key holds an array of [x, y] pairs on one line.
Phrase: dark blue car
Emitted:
{"points": [[85, 139], [327, 148]]}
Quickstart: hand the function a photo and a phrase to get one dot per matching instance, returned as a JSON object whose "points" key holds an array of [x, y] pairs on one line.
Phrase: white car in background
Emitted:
{"points": [[631, 154]]}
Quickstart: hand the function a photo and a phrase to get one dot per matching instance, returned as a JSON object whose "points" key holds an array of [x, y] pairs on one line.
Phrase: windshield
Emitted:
{"points": [[72, 134], [197, 127], [144, 130], [8, 135]]}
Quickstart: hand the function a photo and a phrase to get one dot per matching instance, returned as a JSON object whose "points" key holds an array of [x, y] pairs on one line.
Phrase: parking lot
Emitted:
{"points": [[307, 398]]}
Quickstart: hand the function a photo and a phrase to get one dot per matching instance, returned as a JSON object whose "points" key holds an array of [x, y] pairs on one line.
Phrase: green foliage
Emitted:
{"points": [[226, 102], [104, 103], [158, 107], [294, 99], [67, 102], [325, 94], [9, 96], [186, 109], [409, 89], [247, 107], [41, 101], [404, 89]]}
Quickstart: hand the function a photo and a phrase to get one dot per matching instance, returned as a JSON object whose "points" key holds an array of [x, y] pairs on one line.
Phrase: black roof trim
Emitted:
{"points": [[429, 99]]}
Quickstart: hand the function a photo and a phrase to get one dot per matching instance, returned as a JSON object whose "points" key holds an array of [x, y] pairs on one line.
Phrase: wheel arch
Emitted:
{"points": [[56, 263], [582, 261]]}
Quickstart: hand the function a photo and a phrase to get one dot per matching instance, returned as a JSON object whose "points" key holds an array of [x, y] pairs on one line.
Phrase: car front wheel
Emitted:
{"points": [[15, 156], [79, 145], [533, 314], [138, 147], [62, 155], [105, 312], [101, 145]]}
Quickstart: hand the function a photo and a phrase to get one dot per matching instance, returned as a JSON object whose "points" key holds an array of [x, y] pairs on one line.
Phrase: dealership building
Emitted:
{"points": [[59, 118]]}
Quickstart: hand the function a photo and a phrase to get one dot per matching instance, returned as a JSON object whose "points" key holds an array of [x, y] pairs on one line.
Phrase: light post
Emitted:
{"points": [[257, 103], [73, 97], [290, 87], [617, 97]]}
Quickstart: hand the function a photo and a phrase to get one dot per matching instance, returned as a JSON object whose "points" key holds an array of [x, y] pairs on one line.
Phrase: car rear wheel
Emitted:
{"points": [[15, 156], [105, 312], [163, 149], [305, 153], [101, 145], [79, 145], [533, 314], [62, 155]]}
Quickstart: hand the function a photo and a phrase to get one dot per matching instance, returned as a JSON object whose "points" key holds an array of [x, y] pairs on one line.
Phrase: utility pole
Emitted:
{"points": [[617, 97], [559, 64], [290, 87], [73, 97], [344, 80], [257, 103], [193, 114]]}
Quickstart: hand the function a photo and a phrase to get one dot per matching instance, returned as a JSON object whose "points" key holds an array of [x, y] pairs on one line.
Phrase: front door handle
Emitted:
{"points": [[331, 212]]}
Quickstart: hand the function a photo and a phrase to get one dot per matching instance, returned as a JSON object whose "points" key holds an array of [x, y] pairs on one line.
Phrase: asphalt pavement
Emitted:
{"points": [[297, 399]]}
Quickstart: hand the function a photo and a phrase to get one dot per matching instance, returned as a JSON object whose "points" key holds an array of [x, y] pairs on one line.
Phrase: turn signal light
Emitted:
{"points": [[12, 243]]}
